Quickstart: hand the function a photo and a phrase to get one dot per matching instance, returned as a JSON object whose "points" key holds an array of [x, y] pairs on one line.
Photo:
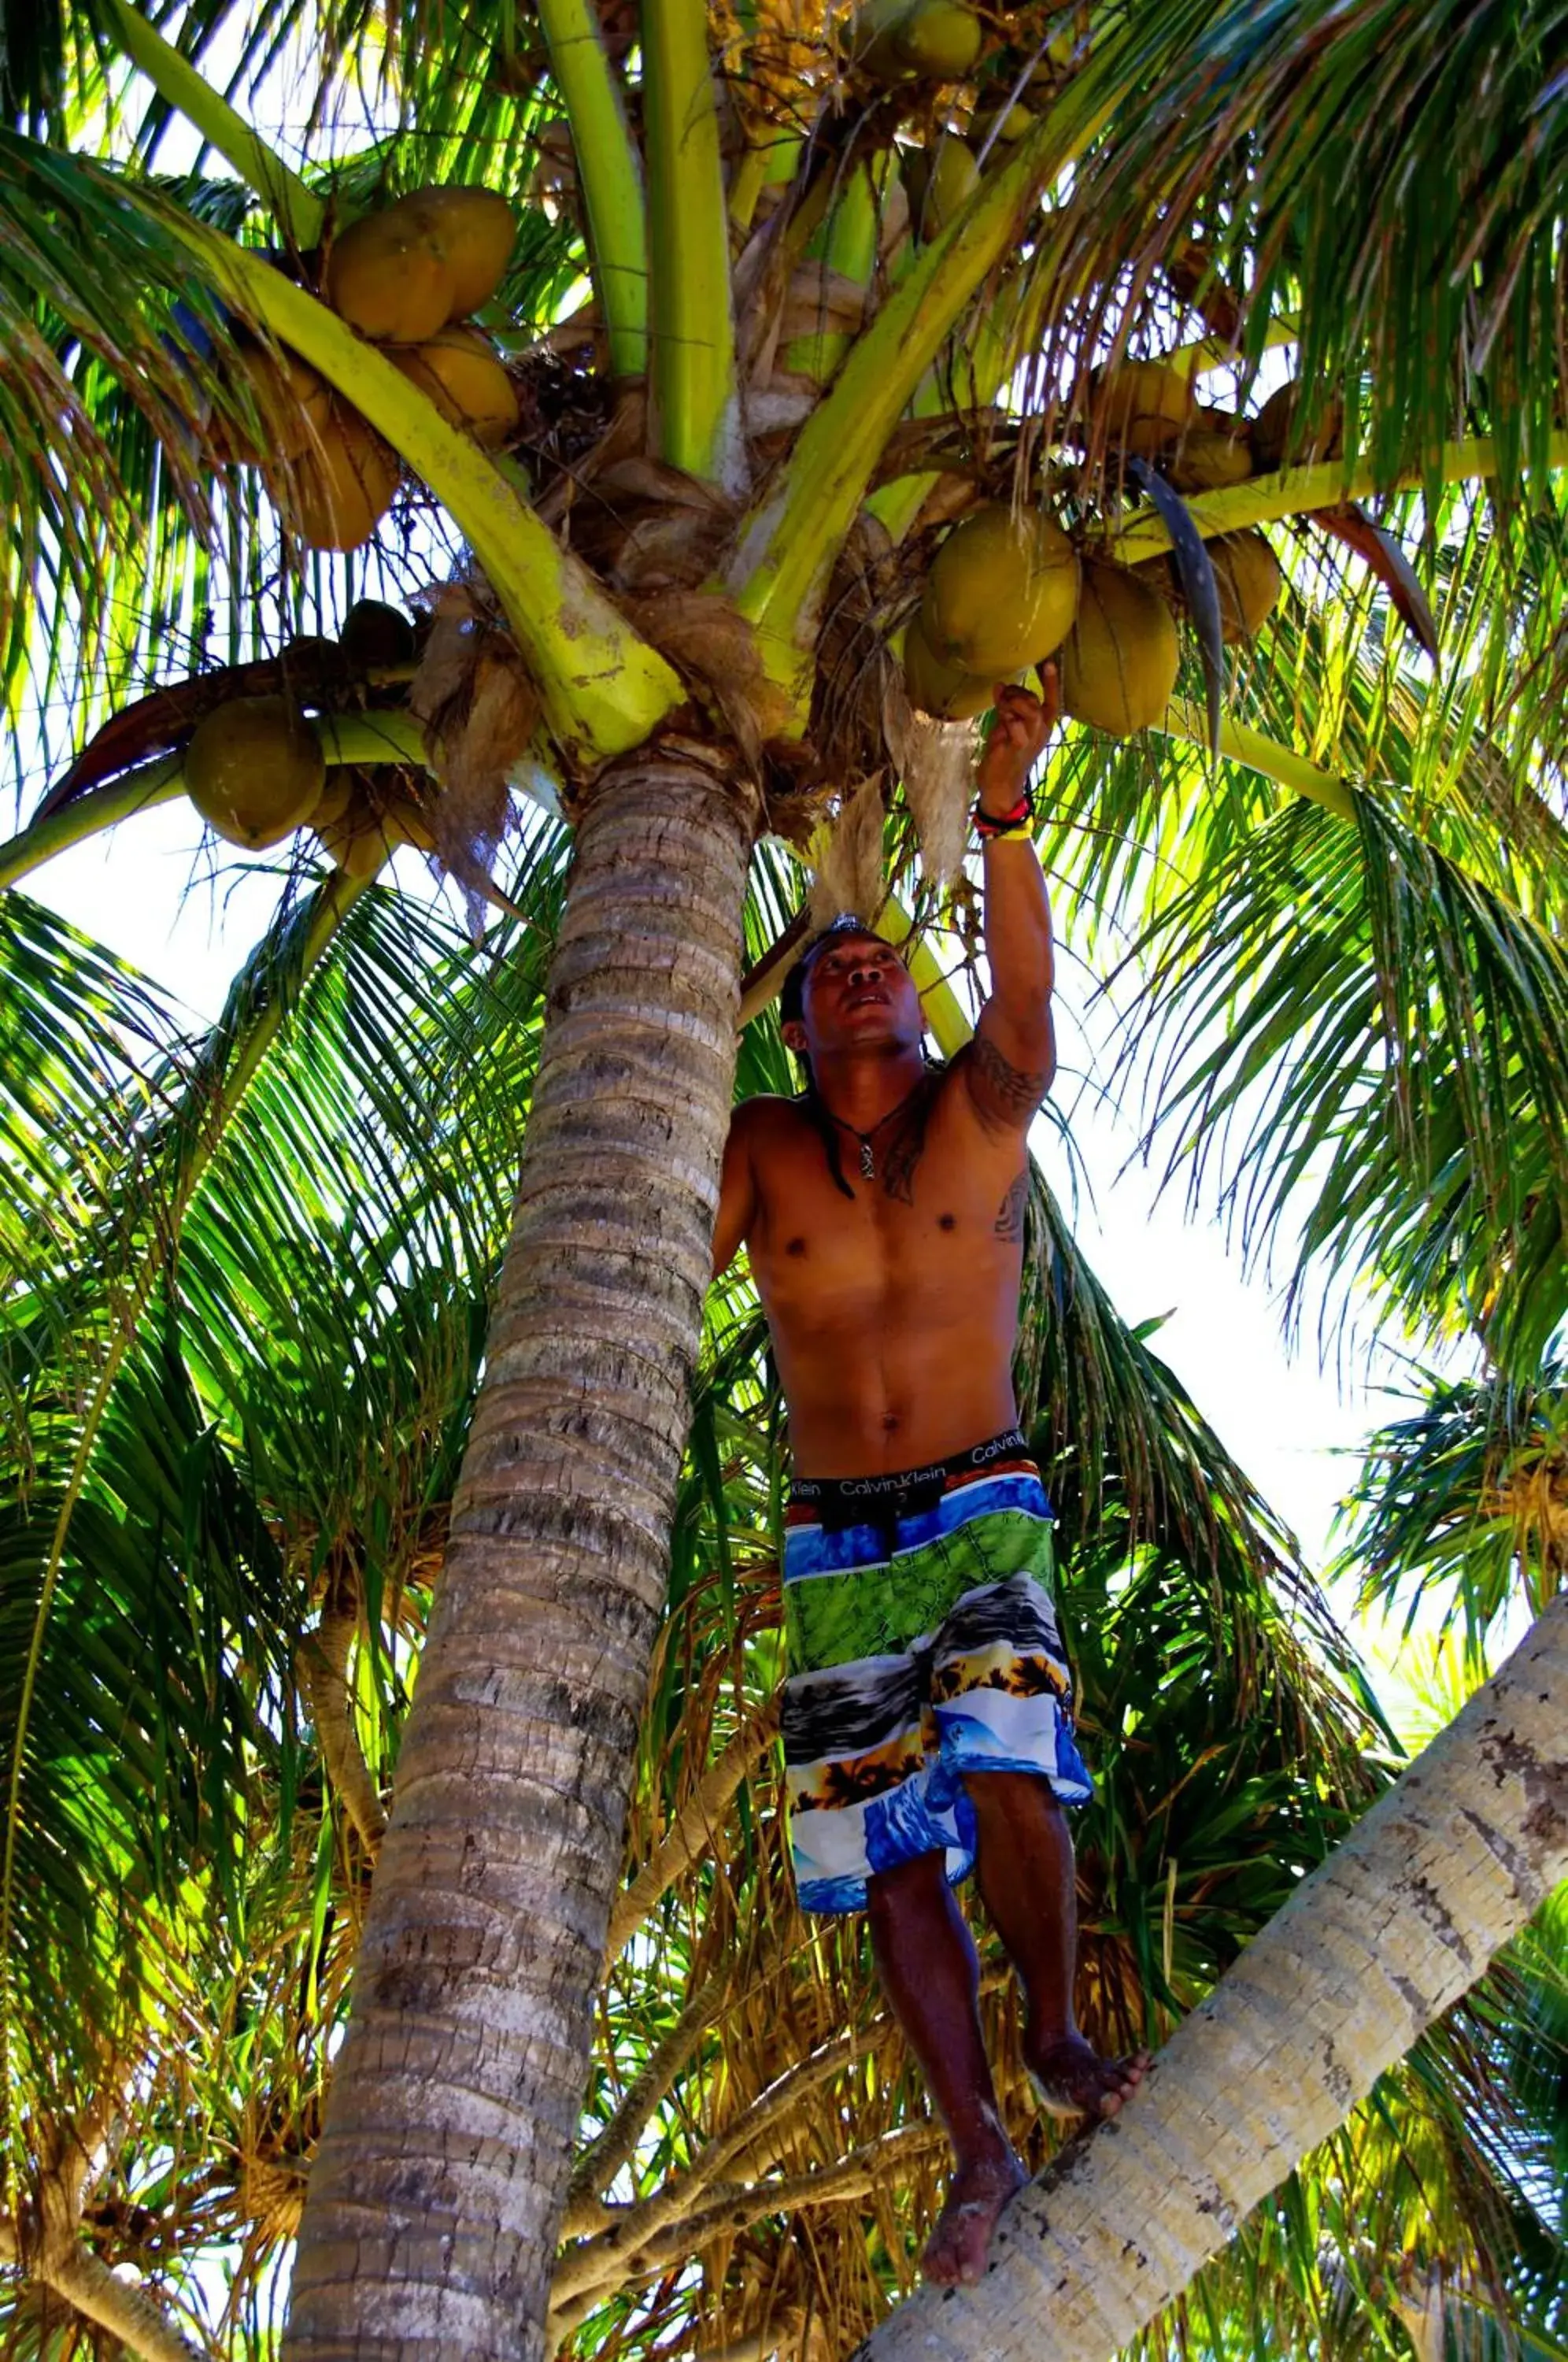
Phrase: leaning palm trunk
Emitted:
{"points": [[456, 2100], [1395, 1926]]}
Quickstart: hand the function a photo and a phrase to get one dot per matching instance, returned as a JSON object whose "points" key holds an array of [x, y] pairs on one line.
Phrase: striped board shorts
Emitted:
{"points": [[922, 1644]]}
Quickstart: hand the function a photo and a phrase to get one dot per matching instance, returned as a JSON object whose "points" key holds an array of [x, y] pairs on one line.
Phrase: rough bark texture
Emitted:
{"points": [[1396, 1925], [430, 2226]]}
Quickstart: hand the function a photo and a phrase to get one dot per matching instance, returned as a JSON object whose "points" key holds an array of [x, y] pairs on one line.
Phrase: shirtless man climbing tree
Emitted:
{"points": [[927, 1714]]}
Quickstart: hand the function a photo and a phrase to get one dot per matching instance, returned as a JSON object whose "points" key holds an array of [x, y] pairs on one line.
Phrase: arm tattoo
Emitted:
{"points": [[1008, 1223], [1020, 1089]]}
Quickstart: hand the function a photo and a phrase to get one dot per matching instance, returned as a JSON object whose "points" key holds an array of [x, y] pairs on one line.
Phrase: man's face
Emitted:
{"points": [[858, 995]]}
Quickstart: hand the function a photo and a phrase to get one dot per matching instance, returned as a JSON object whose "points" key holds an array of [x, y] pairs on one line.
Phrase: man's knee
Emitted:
{"points": [[1005, 1796], [907, 1883]]}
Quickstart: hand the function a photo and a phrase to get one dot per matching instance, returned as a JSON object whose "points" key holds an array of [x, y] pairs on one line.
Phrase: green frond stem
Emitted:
{"points": [[847, 245], [174, 78], [971, 379], [140, 789], [609, 174], [1295, 492], [696, 399], [334, 900], [345, 738], [943, 1012], [603, 689], [1266, 755], [787, 543]]}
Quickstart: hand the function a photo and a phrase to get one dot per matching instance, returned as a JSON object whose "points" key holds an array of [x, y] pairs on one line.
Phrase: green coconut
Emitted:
{"points": [[1002, 591], [939, 182], [254, 770], [1119, 666], [925, 40], [938, 688]]}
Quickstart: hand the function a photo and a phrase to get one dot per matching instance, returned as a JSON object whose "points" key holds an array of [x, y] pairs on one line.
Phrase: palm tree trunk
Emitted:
{"points": [[1396, 1925], [432, 2216]]}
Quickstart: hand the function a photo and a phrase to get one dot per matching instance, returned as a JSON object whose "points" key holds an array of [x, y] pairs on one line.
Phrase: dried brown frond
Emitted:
{"points": [[478, 706], [849, 872]]}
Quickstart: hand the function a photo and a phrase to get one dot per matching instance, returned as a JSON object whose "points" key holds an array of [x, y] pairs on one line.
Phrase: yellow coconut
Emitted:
{"points": [[1146, 406], [939, 688], [290, 402], [473, 229], [938, 182], [254, 770], [387, 276], [1002, 591], [335, 496], [1277, 441], [1249, 579], [1213, 453], [928, 40], [1119, 666], [459, 371], [376, 636]]}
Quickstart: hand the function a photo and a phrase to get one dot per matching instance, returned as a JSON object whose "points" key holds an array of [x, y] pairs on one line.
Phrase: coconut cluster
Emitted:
{"points": [[407, 278], [255, 770], [1007, 590]]}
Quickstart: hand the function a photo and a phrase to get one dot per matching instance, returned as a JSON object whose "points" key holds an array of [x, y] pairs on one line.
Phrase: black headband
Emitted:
{"points": [[792, 999]]}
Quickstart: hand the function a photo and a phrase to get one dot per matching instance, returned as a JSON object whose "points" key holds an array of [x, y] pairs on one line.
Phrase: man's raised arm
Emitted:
{"points": [[1012, 1058]]}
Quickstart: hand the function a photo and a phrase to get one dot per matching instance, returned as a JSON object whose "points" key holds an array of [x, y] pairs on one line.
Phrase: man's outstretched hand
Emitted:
{"points": [[1023, 722]]}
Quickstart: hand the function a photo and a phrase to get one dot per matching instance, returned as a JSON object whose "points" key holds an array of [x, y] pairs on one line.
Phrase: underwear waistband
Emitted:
{"points": [[840, 1501]]}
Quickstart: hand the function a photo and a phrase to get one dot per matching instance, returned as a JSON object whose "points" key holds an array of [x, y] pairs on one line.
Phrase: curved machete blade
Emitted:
{"points": [[1194, 573]]}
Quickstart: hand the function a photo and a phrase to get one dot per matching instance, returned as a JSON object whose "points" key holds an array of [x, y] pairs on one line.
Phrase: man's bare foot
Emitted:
{"points": [[1071, 2078], [955, 2252]]}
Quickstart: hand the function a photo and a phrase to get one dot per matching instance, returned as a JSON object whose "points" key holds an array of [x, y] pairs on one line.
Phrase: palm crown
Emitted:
{"points": [[767, 351]]}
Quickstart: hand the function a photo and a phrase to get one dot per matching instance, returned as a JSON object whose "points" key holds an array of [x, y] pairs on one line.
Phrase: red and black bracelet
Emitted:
{"points": [[1016, 822]]}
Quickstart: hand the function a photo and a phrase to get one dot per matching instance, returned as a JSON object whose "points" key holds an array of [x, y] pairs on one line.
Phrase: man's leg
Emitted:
{"points": [[926, 1961], [1027, 1883]]}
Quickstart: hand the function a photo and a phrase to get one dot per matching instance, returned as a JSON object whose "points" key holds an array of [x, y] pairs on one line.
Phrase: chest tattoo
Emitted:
{"points": [[904, 1152], [1008, 1223]]}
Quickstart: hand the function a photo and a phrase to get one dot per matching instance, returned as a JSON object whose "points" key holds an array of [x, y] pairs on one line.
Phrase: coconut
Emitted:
{"points": [[254, 770], [1119, 666], [938, 182], [387, 276], [1277, 441], [1146, 406], [938, 688], [337, 493], [1249, 579], [376, 636], [473, 229], [460, 373], [1215, 452], [1002, 591], [290, 401], [929, 41]]}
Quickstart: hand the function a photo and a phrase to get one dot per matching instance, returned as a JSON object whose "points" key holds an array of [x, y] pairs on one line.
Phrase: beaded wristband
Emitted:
{"points": [[1016, 822]]}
